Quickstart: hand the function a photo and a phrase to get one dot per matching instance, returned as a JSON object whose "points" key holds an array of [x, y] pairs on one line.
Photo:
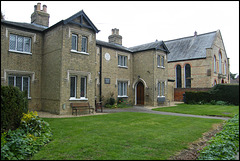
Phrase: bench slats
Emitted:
{"points": [[81, 106]]}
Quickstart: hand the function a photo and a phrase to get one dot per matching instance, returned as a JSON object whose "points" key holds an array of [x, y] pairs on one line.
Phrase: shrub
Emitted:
{"points": [[225, 144], [110, 101], [13, 104], [225, 93], [27, 139]]}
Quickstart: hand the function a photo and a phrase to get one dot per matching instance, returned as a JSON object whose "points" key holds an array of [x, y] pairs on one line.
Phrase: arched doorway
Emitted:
{"points": [[140, 93]]}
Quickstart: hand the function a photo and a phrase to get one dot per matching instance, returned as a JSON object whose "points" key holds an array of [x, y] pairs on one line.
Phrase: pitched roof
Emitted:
{"points": [[158, 45], [24, 25], [82, 16], [112, 45], [187, 48]]}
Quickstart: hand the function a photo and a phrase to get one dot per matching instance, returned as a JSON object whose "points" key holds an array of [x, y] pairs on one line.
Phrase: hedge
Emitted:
{"points": [[220, 92], [13, 104]]}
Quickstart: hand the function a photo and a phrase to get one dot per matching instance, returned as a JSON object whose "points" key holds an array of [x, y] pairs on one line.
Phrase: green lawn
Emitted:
{"points": [[121, 136], [228, 111]]}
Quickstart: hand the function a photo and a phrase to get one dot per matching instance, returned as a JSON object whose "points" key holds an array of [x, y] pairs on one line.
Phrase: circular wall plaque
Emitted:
{"points": [[107, 56]]}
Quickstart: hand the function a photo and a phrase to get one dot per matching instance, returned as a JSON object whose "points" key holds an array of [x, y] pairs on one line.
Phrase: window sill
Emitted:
{"points": [[122, 96], [20, 52], [160, 96], [161, 67], [122, 66], [79, 52], [78, 99]]}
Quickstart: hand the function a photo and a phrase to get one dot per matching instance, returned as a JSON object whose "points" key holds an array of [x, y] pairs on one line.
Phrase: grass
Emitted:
{"points": [[209, 110], [122, 136]]}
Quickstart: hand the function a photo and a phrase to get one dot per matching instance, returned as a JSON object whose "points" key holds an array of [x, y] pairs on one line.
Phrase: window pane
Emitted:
{"points": [[179, 77], [19, 43], [119, 59], [11, 81], [19, 82], [163, 61], [125, 89], [25, 84], [74, 42], [163, 88], [83, 87], [158, 60], [84, 44], [12, 42], [188, 76], [73, 87], [27, 44]]}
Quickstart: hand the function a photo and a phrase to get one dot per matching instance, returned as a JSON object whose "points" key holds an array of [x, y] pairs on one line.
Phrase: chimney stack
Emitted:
{"points": [[195, 33], [115, 37], [40, 17]]}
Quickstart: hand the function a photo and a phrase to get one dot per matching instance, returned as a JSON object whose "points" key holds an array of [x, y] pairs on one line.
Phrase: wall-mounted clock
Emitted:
{"points": [[107, 56]]}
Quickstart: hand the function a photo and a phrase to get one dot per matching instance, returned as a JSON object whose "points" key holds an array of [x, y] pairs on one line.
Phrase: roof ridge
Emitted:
{"points": [[147, 43], [191, 36]]}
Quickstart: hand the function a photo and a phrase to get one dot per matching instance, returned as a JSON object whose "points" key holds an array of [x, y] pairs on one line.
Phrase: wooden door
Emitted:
{"points": [[140, 93]]}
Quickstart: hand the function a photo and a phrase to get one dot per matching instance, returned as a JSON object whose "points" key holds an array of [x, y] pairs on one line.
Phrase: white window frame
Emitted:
{"points": [[23, 47], [122, 88], [161, 89], [122, 61], [76, 42], [160, 61], [84, 47], [75, 85], [15, 83]]}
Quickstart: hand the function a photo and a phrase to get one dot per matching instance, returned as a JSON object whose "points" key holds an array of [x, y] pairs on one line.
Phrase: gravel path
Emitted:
{"points": [[149, 110]]}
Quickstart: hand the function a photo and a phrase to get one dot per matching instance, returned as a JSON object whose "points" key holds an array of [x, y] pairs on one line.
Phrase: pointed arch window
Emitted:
{"points": [[220, 63], [178, 77], [187, 76], [225, 68], [214, 64]]}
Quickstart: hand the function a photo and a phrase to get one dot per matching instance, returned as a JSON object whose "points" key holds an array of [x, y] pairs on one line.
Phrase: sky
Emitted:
{"points": [[141, 22]]}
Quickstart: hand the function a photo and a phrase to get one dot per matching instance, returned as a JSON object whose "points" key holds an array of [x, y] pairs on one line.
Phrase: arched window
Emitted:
{"points": [[214, 64], [187, 76], [178, 77], [220, 63], [225, 67]]}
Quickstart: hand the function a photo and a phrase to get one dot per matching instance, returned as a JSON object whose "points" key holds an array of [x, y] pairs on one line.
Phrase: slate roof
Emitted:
{"points": [[25, 25], [153, 45], [112, 45], [188, 48]]}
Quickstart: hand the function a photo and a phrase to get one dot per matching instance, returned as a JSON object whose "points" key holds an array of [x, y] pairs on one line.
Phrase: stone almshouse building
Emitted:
{"points": [[64, 63]]}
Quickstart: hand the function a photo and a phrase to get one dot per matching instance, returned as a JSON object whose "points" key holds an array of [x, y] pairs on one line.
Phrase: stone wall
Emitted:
{"points": [[19, 63]]}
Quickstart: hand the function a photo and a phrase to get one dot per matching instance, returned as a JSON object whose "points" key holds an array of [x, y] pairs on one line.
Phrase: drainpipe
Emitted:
{"points": [[100, 77]]}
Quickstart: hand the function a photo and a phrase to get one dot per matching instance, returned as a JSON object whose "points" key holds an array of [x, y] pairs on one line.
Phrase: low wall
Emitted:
{"points": [[178, 92]]}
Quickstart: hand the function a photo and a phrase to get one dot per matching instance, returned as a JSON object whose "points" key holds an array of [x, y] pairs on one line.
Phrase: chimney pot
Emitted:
{"points": [[38, 6], [45, 8], [35, 8]]}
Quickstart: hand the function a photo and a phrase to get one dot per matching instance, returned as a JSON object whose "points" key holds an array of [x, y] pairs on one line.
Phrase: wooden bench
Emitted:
{"points": [[81, 107]]}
